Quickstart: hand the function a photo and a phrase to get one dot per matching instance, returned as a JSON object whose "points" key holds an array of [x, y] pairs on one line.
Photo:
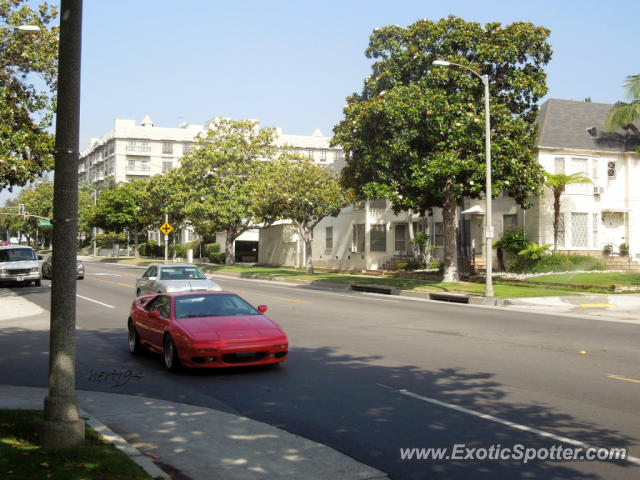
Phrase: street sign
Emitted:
{"points": [[45, 224], [166, 228]]}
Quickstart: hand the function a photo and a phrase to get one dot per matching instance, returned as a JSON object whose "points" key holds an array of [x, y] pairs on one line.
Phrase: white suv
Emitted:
{"points": [[19, 264]]}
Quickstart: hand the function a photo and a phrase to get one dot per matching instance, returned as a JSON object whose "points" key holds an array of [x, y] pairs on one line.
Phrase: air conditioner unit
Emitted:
{"points": [[598, 190]]}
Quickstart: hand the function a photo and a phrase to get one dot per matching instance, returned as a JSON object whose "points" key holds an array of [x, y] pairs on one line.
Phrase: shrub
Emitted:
{"points": [[218, 257], [513, 241], [414, 265], [607, 250], [624, 250], [108, 240], [556, 262]]}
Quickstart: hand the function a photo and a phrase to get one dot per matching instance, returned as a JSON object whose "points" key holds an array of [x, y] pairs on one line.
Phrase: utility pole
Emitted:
{"points": [[62, 426]]}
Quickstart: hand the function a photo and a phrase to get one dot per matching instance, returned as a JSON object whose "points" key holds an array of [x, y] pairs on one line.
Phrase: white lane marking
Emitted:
{"points": [[95, 301], [507, 423], [101, 274]]}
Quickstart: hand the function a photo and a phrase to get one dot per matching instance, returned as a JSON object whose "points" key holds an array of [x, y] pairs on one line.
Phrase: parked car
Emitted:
{"points": [[47, 268], [19, 265], [205, 330], [174, 278]]}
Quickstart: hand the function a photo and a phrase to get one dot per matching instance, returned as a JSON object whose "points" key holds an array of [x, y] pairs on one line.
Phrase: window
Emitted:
{"points": [[378, 238], [357, 244], [167, 147], [595, 218], [561, 231], [167, 166], [438, 234], [323, 155], [580, 166], [380, 204], [579, 228], [310, 154], [611, 170], [594, 169], [328, 238], [185, 148], [400, 239], [559, 164], [358, 206], [509, 222]]}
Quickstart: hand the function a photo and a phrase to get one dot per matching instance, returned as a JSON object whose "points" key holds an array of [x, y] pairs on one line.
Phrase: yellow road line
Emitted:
{"points": [[597, 305], [128, 285], [624, 379]]}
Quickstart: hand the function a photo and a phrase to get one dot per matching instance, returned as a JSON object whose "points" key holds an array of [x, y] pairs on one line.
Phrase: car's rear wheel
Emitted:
{"points": [[171, 360], [134, 341]]}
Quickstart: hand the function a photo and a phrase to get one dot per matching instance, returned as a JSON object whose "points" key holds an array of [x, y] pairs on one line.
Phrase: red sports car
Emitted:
{"points": [[204, 330]]}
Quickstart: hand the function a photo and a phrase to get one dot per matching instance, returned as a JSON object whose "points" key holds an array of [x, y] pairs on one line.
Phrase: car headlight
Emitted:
{"points": [[35, 269]]}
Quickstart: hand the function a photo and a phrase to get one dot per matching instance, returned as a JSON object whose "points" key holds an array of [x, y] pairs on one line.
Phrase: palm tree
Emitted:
{"points": [[558, 182], [622, 115]]}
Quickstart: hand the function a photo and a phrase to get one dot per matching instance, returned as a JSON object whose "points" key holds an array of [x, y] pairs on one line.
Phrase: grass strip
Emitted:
{"points": [[23, 458]]}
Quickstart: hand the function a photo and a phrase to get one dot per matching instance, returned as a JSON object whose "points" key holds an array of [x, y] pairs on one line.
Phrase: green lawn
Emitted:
{"points": [[22, 458], [502, 288], [604, 279]]}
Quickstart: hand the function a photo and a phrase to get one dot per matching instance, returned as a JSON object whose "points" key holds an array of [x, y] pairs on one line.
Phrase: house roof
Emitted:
{"points": [[576, 125]]}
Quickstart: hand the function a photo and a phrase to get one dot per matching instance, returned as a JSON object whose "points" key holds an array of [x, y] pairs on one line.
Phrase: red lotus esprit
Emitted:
{"points": [[205, 330]]}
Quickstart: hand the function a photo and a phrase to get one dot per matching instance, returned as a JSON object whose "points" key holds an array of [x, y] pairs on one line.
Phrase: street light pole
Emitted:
{"points": [[488, 226]]}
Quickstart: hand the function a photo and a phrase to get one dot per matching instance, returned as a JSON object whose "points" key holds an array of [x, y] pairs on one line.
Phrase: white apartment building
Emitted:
{"points": [[131, 151]]}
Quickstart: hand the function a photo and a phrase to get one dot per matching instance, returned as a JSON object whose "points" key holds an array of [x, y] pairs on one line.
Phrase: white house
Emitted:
{"points": [[370, 236]]}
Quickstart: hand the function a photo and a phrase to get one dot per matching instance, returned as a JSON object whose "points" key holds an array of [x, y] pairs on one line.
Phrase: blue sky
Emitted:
{"points": [[292, 64]]}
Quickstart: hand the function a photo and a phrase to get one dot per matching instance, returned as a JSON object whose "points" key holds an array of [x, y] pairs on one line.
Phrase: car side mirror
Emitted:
{"points": [[155, 314], [262, 308]]}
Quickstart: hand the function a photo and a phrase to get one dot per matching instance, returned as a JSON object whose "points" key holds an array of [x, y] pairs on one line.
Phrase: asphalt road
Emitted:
{"points": [[370, 375]]}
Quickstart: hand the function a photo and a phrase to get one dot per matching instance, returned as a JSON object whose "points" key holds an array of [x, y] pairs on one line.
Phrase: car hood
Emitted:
{"points": [[233, 328], [19, 264], [192, 285]]}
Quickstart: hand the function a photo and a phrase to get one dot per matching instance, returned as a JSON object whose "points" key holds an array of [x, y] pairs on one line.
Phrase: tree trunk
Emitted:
{"points": [[136, 253], [410, 248], [450, 224], [556, 217], [174, 246], [230, 258], [307, 236]]}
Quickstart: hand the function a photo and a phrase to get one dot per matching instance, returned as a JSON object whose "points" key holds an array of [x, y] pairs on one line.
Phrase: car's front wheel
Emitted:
{"points": [[171, 360], [134, 340]]}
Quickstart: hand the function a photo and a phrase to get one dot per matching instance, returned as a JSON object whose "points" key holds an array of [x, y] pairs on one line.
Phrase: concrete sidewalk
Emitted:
{"points": [[200, 443]]}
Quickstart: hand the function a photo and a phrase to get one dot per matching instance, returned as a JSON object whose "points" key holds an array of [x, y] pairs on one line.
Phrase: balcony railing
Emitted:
{"points": [[138, 170], [138, 148]]}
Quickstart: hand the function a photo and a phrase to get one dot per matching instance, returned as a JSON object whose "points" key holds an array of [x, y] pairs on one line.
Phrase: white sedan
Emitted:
{"points": [[174, 278]]}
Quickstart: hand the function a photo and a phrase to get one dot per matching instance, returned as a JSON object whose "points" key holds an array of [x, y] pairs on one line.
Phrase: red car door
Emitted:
{"points": [[158, 324]]}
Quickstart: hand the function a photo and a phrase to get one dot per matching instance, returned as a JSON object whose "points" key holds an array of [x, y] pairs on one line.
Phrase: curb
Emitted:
{"points": [[125, 447]]}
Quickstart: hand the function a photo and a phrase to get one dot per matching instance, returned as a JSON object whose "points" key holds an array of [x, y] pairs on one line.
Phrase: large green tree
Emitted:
{"points": [[624, 114], [293, 187], [125, 207], [222, 172], [415, 134], [28, 69]]}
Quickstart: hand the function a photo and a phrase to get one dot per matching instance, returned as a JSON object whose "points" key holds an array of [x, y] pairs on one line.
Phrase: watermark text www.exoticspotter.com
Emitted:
{"points": [[518, 453]]}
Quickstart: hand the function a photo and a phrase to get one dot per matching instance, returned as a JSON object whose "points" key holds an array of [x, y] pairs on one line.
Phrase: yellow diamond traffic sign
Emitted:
{"points": [[166, 228]]}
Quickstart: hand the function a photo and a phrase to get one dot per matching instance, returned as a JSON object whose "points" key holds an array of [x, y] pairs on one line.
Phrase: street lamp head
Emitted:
{"points": [[29, 28], [441, 63]]}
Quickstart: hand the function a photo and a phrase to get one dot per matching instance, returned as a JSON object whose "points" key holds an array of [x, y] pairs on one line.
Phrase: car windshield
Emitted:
{"points": [[212, 306], [16, 254], [181, 273]]}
